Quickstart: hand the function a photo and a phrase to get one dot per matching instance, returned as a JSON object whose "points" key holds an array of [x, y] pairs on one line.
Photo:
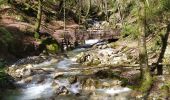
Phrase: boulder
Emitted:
{"points": [[62, 91], [26, 72], [40, 79], [26, 80], [57, 74], [73, 79], [55, 86], [104, 46], [23, 72], [89, 84], [81, 57]]}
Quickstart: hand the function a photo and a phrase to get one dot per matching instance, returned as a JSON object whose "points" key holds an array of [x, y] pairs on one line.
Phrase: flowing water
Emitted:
{"points": [[41, 87]]}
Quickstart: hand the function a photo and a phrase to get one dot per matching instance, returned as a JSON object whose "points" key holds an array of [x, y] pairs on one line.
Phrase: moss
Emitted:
{"points": [[49, 45], [87, 72], [36, 35], [52, 48], [124, 81], [93, 62], [146, 83], [96, 62], [166, 90], [88, 63]]}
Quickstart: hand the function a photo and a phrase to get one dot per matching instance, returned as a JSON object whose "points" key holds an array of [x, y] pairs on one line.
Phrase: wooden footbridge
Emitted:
{"points": [[78, 36], [96, 34]]}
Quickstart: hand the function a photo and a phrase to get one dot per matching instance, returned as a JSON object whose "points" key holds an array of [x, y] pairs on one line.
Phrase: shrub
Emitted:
{"points": [[130, 30]]}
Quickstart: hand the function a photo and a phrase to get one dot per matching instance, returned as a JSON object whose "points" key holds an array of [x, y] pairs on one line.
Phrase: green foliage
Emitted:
{"points": [[36, 35], [165, 5], [6, 37], [52, 48], [2, 73], [2, 63], [130, 30], [3, 2], [49, 45]]}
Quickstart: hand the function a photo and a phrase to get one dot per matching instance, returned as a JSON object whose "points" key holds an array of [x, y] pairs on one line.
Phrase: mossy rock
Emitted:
{"points": [[87, 72], [81, 57], [107, 74], [52, 48], [88, 63], [96, 62], [49, 45]]}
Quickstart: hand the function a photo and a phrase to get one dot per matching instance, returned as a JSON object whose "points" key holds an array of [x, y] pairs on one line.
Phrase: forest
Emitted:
{"points": [[84, 50]]}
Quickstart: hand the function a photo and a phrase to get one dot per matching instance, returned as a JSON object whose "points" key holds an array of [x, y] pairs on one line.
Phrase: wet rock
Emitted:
{"points": [[17, 73], [27, 80], [38, 71], [95, 46], [26, 72], [105, 85], [40, 79], [73, 79], [88, 63], [43, 70], [104, 74], [57, 74], [55, 86], [23, 72], [100, 46], [116, 82], [104, 46], [109, 46], [89, 84], [20, 71], [62, 91], [104, 55], [29, 66], [81, 57], [96, 62]]}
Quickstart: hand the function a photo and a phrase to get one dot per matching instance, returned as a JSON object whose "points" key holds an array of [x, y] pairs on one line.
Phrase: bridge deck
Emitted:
{"points": [[96, 34], [81, 35]]}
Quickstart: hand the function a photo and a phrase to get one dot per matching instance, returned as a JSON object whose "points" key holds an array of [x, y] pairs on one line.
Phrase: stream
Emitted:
{"points": [[58, 82]]}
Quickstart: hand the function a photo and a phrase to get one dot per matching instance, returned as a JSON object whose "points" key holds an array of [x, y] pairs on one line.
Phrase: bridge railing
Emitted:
{"points": [[95, 34]]}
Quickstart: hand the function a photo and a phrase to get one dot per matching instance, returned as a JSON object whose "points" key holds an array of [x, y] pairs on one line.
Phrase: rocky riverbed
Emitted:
{"points": [[97, 73], [51, 77], [108, 55]]}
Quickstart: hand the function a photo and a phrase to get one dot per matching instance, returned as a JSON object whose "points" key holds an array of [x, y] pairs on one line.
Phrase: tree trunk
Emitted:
{"points": [[120, 11], [164, 39], [145, 71], [39, 15], [106, 12]]}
